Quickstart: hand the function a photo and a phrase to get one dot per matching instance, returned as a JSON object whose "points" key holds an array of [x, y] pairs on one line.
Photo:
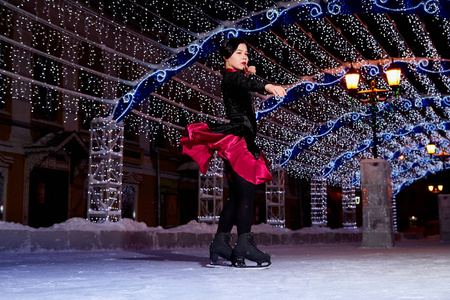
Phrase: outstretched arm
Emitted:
{"points": [[270, 88]]}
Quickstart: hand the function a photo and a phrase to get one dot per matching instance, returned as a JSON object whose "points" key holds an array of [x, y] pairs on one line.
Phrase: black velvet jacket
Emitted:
{"points": [[236, 88]]}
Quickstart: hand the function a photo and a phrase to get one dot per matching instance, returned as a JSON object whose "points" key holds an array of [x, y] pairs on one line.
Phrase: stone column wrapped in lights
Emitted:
{"points": [[377, 206], [444, 217]]}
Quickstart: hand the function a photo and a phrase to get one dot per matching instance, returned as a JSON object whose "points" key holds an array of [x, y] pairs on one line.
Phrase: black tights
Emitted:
{"points": [[239, 209]]}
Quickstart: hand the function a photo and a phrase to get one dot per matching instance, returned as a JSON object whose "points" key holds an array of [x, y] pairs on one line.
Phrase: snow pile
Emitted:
{"points": [[85, 225], [266, 228], [81, 234], [80, 224], [13, 226], [194, 227], [197, 227]]}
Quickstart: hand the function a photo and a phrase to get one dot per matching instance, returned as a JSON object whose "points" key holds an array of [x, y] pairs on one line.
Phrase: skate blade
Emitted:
{"points": [[219, 265], [261, 266]]}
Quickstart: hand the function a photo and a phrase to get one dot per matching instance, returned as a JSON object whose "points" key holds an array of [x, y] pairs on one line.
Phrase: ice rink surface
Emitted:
{"points": [[412, 270]]}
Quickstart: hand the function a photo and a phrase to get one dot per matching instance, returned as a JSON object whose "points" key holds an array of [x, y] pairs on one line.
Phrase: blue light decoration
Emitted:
{"points": [[204, 47], [382, 138], [306, 87], [284, 14], [297, 91], [397, 187], [423, 65], [429, 7], [346, 119], [423, 173], [399, 182]]}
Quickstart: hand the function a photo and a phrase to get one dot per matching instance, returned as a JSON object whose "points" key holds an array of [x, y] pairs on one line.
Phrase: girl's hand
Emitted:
{"points": [[276, 90], [248, 70]]}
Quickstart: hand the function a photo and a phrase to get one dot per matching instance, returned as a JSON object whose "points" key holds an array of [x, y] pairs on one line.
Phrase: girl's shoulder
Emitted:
{"points": [[234, 77]]}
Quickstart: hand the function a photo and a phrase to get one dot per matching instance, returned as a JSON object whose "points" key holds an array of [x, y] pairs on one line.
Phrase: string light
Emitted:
{"points": [[86, 52]]}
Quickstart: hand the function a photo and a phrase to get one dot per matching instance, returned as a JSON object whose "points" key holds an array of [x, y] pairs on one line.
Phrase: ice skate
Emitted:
{"points": [[220, 247], [246, 249]]}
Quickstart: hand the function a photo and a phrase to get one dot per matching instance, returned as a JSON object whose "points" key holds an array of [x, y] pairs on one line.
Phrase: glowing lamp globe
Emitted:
{"points": [[393, 74], [352, 79], [436, 189], [431, 148]]}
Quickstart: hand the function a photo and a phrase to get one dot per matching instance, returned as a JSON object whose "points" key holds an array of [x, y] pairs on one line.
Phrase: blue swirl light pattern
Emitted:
{"points": [[396, 175], [306, 87], [204, 47], [259, 22], [430, 6], [295, 92], [347, 119], [382, 138]]}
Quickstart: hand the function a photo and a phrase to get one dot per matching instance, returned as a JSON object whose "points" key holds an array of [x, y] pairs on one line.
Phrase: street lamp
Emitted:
{"points": [[443, 156], [352, 79], [431, 149], [393, 74], [435, 189]]}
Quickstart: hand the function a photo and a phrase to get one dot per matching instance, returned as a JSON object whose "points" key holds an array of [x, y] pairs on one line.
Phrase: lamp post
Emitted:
{"points": [[443, 157], [393, 74], [375, 175]]}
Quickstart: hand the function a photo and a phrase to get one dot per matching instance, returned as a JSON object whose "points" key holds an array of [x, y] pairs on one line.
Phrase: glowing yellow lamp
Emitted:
{"points": [[393, 74], [352, 79], [431, 148]]}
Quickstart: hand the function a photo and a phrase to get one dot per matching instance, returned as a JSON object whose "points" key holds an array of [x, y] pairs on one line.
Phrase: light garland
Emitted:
{"points": [[84, 45]]}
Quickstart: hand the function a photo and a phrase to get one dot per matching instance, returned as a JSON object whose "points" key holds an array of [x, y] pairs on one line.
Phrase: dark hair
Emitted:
{"points": [[229, 46]]}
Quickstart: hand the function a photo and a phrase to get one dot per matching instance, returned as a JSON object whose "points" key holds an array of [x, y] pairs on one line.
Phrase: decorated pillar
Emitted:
{"points": [[377, 206]]}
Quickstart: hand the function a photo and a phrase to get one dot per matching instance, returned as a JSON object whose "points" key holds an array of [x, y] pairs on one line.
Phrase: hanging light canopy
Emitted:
{"points": [[352, 79], [393, 74], [431, 148]]}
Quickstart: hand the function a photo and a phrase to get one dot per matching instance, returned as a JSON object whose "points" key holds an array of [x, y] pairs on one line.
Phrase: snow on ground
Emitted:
{"points": [[85, 225], [131, 225], [416, 269]]}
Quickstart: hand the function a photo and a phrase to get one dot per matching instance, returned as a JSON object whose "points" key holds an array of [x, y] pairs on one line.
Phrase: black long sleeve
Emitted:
{"points": [[236, 88]]}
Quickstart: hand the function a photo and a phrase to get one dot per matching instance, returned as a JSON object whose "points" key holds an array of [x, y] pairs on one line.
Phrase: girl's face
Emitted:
{"points": [[239, 58]]}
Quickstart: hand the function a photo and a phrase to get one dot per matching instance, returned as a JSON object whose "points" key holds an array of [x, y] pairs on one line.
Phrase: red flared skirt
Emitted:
{"points": [[201, 143]]}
